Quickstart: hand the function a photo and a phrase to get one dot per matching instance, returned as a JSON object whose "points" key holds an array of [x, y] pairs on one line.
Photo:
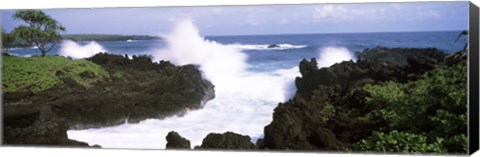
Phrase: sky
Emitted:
{"points": [[263, 19]]}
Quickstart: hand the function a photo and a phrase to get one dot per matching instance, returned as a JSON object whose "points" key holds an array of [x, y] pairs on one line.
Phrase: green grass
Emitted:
{"points": [[42, 73]]}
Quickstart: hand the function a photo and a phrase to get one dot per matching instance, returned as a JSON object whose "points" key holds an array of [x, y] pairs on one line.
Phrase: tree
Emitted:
{"points": [[42, 30], [7, 40], [463, 33]]}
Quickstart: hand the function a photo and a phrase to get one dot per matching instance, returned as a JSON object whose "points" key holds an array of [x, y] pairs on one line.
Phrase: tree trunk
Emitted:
{"points": [[43, 53]]}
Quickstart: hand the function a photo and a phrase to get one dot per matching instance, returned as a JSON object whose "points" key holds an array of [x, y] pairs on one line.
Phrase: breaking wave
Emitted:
{"points": [[74, 50], [267, 46]]}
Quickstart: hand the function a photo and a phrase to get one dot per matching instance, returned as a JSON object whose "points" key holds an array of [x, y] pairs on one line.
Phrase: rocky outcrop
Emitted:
{"points": [[40, 127], [400, 56], [136, 89], [343, 76], [328, 109], [175, 141], [227, 140], [273, 46]]}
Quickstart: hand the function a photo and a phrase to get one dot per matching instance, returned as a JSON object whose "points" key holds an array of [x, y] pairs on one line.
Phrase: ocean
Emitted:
{"points": [[250, 77]]}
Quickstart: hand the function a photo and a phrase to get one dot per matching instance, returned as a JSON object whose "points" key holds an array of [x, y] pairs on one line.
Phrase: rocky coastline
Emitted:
{"points": [[137, 89], [330, 111]]}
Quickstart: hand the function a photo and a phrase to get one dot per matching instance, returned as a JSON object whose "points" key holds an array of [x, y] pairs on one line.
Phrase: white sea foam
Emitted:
{"points": [[244, 99], [18, 55], [243, 104], [328, 56], [266, 46], [14, 48], [74, 50]]}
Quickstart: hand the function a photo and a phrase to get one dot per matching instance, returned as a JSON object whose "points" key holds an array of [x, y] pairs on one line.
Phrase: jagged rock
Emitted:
{"points": [[141, 89], [344, 75], [38, 126], [400, 56], [302, 125], [326, 111], [273, 46], [96, 146], [145, 90], [259, 144], [175, 141], [228, 140]]}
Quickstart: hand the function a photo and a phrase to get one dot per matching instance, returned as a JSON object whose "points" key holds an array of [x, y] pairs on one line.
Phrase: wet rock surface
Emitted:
{"points": [[175, 141], [137, 89], [39, 127], [326, 111], [227, 140], [400, 56]]}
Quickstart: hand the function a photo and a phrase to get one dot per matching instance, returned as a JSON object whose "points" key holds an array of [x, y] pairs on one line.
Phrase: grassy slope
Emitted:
{"points": [[42, 73]]}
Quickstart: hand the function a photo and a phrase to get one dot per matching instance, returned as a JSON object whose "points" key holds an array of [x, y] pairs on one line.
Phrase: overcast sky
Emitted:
{"points": [[265, 19]]}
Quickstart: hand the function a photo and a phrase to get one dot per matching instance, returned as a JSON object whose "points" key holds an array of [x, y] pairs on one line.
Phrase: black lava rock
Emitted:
{"points": [[228, 140], [136, 89], [175, 141]]}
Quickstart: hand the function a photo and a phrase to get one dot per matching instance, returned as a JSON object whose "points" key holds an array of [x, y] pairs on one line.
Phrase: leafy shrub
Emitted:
{"points": [[399, 142], [41, 73], [434, 107]]}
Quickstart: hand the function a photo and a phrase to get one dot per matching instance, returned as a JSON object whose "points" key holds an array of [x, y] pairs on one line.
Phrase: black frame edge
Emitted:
{"points": [[473, 57]]}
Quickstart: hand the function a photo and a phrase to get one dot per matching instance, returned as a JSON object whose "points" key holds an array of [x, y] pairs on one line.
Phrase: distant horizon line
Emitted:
{"points": [[226, 35]]}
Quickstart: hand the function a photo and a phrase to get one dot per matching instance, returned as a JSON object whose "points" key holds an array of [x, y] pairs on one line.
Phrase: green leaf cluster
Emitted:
{"points": [[8, 40], [429, 113], [41, 73], [41, 30], [396, 141]]}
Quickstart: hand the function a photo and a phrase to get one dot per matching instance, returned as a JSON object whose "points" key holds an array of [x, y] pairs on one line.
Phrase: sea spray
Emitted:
{"points": [[225, 66], [244, 101], [328, 56], [243, 104], [74, 50]]}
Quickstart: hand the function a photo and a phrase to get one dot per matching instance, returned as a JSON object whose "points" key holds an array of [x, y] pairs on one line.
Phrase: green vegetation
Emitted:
{"points": [[10, 40], [107, 37], [42, 30], [417, 104], [7, 40], [399, 142], [431, 111], [41, 73]]}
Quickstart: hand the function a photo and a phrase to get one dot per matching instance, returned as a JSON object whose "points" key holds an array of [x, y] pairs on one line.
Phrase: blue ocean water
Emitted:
{"points": [[292, 48], [244, 99]]}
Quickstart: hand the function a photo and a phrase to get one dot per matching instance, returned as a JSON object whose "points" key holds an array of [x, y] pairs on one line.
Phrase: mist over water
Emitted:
{"points": [[328, 56], [243, 104], [74, 50]]}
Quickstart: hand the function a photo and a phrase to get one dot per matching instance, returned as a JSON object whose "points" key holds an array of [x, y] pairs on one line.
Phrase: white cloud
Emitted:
{"points": [[429, 14], [329, 11], [347, 13], [284, 21], [217, 10], [250, 19], [395, 6]]}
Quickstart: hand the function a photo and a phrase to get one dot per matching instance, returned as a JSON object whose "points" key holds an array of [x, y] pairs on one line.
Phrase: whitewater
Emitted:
{"points": [[244, 101]]}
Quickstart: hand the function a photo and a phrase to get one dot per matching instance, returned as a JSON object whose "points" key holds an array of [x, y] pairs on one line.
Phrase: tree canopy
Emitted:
{"points": [[8, 39], [42, 30]]}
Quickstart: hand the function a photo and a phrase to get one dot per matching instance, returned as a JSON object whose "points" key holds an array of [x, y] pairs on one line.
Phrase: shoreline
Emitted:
{"points": [[374, 55]]}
